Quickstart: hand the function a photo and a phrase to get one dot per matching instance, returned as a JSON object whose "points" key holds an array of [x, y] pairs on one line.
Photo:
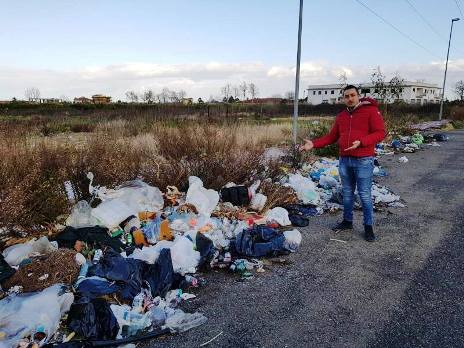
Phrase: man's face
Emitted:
{"points": [[351, 97]]}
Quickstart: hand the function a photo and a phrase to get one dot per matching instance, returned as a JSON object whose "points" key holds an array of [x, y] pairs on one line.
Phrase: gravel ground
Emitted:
{"points": [[405, 290]]}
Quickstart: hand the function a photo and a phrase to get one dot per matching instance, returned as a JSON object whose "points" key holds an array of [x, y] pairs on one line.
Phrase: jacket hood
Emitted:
{"points": [[368, 101]]}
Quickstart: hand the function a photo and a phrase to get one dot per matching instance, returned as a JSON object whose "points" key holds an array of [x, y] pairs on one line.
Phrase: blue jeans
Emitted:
{"points": [[357, 171]]}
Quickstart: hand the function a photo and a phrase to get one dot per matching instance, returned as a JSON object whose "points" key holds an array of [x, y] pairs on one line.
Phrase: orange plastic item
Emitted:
{"points": [[146, 215], [139, 238], [165, 231], [205, 228]]}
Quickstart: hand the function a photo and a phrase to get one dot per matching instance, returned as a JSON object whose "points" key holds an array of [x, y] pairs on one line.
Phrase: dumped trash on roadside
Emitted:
{"points": [[403, 159], [123, 263]]}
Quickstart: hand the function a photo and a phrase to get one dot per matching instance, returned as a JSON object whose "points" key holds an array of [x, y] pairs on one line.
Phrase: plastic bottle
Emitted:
{"points": [[137, 303], [82, 274], [136, 322], [97, 256]]}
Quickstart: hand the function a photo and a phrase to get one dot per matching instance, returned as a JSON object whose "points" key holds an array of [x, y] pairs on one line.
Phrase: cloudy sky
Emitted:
{"points": [[84, 47]]}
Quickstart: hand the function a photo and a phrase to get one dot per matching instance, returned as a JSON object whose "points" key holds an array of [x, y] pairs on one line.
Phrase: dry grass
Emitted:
{"points": [[34, 168]]}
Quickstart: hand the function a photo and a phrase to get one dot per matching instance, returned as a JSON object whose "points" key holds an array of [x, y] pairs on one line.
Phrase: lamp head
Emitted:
{"points": [[455, 19]]}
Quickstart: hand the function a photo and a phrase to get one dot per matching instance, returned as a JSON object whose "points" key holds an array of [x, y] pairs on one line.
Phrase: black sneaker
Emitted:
{"points": [[369, 233], [344, 225]]}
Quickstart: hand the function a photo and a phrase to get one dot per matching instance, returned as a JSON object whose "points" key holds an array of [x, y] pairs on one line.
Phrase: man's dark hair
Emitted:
{"points": [[350, 87]]}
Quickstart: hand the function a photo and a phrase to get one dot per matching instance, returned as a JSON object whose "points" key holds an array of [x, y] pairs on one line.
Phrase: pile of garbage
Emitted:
{"points": [[121, 267], [124, 262]]}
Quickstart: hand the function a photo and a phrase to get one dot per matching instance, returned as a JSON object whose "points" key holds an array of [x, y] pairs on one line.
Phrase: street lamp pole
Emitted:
{"points": [[446, 70], [297, 78]]}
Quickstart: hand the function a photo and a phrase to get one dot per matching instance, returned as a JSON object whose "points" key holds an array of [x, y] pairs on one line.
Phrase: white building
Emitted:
{"points": [[413, 93]]}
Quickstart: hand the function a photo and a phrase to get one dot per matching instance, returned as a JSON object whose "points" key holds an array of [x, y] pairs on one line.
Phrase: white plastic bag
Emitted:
{"points": [[20, 315], [137, 194], [403, 159], [181, 321], [205, 200], [184, 258], [19, 252], [279, 215], [258, 202], [304, 187], [292, 240], [112, 212], [327, 181], [81, 216]]}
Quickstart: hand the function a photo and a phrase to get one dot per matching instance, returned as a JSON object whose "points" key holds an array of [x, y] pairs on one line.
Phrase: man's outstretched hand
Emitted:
{"points": [[306, 146], [355, 145]]}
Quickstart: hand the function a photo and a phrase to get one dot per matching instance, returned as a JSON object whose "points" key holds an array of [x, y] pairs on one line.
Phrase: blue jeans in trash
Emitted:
{"points": [[357, 172]]}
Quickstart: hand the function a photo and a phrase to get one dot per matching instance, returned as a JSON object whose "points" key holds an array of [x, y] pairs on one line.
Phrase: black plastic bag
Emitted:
{"points": [[160, 275], [237, 195], [93, 319], [205, 247], [6, 271]]}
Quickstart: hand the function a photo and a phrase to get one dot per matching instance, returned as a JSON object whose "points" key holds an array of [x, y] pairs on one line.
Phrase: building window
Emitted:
{"points": [[314, 92], [325, 92], [413, 89], [332, 92], [319, 92]]}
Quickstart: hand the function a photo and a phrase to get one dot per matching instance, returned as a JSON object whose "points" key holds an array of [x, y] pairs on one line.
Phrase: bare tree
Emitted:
{"points": [[148, 96], [253, 90], [235, 91], [243, 88], [225, 91], [387, 91], [165, 95], [173, 97], [395, 87], [459, 89], [290, 95], [132, 97], [181, 94], [65, 99], [32, 93]]}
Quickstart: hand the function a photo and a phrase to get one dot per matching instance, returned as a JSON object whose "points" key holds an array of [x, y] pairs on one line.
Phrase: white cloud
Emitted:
{"points": [[203, 80]]}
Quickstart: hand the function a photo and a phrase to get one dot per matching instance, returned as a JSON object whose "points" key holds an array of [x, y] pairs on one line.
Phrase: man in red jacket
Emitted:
{"points": [[357, 130]]}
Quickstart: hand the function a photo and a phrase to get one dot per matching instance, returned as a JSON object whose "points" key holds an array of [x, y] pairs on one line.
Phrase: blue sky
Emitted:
{"points": [[85, 47]]}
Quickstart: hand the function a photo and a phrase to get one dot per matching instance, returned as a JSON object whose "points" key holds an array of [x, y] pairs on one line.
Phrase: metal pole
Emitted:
{"points": [[297, 78], [446, 69]]}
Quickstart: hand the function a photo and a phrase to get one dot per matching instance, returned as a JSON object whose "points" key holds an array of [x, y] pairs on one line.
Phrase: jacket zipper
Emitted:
{"points": [[349, 133]]}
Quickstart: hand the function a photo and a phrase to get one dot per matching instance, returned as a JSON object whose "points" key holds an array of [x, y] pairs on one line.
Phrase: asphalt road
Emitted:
{"points": [[405, 290]]}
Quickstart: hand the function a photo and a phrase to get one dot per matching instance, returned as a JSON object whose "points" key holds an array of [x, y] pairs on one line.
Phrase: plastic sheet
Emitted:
{"points": [[17, 253], [20, 315]]}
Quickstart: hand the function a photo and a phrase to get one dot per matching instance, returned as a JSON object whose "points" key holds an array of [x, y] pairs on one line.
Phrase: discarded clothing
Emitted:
{"points": [[96, 237], [93, 287], [259, 241], [441, 137], [127, 272]]}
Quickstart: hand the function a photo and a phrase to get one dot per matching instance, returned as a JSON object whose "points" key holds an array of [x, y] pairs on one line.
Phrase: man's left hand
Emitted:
{"points": [[356, 144]]}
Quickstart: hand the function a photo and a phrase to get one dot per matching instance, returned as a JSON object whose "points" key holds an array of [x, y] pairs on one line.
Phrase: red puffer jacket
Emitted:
{"points": [[363, 123]]}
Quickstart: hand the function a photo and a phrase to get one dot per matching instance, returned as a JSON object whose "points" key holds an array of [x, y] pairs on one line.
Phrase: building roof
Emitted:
{"points": [[370, 85]]}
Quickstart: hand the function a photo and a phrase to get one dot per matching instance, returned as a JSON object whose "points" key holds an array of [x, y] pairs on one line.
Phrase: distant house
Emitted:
{"points": [[46, 100], [412, 93], [82, 100], [187, 101], [263, 101], [101, 99]]}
